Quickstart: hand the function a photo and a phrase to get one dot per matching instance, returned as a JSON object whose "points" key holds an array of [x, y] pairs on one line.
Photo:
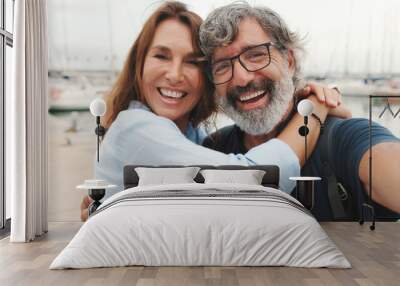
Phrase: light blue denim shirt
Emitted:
{"points": [[140, 137]]}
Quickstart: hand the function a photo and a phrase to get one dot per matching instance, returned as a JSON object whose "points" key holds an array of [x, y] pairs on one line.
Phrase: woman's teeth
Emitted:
{"points": [[251, 96], [171, 93]]}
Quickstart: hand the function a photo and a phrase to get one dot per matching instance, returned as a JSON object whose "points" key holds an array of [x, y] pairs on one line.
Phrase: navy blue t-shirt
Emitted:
{"points": [[350, 140]]}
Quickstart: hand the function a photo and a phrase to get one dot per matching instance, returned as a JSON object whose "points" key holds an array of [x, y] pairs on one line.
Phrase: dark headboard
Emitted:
{"points": [[270, 179]]}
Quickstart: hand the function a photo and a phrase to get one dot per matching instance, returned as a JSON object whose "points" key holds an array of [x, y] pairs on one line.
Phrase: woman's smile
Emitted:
{"points": [[171, 93]]}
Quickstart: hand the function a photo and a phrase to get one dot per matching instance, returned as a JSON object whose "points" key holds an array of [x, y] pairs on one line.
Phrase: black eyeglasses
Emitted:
{"points": [[251, 59]]}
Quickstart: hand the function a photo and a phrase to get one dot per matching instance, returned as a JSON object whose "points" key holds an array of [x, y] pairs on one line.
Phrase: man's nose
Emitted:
{"points": [[174, 73], [241, 77]]}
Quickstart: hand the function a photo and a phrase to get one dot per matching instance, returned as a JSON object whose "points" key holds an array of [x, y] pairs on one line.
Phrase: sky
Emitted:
{"points": [[342, 37]]}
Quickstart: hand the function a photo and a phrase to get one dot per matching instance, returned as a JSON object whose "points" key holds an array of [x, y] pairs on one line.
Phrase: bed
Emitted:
{"points": [[201, 223]]}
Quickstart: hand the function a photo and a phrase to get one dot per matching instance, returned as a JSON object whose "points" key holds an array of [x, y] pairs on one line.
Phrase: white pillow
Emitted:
{"points": [[248, 177], [165, 176]]}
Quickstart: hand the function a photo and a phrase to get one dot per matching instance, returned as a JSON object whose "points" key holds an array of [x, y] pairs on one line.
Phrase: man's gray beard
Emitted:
{"points": [[262, 120]]}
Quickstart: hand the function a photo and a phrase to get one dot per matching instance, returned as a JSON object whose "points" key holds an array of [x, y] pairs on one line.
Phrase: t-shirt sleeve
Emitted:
{"points": [[350, 140]]}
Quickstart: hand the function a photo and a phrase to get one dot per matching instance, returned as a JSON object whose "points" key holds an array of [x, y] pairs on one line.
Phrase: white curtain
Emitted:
{"points": [[26, 119]]}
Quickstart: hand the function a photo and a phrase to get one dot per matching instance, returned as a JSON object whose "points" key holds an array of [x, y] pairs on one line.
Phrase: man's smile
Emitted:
{"points": [[254, 96], [249, 101]]}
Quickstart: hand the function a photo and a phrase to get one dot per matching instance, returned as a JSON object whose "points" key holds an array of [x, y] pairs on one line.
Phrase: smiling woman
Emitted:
{"points": [[172, 79], [164, 62]]}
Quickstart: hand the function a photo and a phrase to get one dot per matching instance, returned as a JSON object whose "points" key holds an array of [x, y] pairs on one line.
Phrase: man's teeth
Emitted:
{"points": [[252, 95], [171, 93]]}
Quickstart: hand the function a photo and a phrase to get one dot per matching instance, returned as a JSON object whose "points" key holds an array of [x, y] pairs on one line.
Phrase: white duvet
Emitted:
{"points": [[201, 224]]}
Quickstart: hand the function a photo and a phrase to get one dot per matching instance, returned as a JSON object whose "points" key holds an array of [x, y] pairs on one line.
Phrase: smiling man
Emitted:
{"points": [[255, 66]]}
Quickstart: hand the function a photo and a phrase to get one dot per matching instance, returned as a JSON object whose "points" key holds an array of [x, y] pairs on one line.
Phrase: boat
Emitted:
{"points": [[75, 91]]}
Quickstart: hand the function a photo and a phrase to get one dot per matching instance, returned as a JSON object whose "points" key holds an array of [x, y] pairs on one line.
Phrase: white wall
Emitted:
{"points": [[342, 36]]}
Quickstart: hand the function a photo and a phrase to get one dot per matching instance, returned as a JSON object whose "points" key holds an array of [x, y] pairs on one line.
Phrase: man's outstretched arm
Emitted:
{"points": [[385, 172]]}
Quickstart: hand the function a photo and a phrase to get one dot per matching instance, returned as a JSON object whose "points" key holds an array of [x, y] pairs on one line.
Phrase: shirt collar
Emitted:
{"points": [[137, 104], [193, 134]]}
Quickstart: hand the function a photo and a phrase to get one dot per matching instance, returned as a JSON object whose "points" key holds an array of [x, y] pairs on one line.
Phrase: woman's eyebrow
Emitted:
{"points": [[192, 55], [161, 48]]}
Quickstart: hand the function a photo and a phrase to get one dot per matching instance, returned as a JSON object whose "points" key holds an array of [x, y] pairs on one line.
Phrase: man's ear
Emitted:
{"points": [[291, 60]]}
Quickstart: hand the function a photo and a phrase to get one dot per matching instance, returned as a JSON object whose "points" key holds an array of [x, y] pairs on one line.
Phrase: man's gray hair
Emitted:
{"points": [[221, 28]]}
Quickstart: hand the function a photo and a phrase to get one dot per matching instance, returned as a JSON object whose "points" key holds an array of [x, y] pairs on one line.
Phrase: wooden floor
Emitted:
{"points": [[375, 257]]}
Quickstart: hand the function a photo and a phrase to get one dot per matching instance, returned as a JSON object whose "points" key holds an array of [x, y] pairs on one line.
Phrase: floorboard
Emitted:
{"points": [[374, 255]]}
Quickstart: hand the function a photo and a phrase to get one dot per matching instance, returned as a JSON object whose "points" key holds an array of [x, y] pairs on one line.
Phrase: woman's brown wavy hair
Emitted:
{"points": [[128, 85]]}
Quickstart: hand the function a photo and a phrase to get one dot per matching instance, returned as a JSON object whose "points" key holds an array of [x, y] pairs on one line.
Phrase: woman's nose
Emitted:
{"points": [[175, 73]]}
